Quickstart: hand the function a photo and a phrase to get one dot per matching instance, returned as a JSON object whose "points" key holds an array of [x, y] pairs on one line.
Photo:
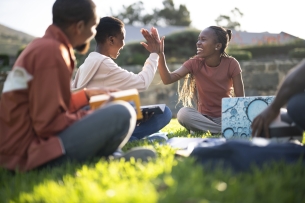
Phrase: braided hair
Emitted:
{"points": [[188, 92]]}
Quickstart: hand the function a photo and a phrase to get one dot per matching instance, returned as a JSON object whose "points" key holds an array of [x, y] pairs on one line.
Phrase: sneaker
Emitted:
{"points": [[159, 137], [141, 153]]}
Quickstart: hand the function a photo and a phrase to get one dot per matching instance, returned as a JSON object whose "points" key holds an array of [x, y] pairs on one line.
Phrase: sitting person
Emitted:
{"points": [[99, 70], [41, 122], [291, 93], [210, 75]]}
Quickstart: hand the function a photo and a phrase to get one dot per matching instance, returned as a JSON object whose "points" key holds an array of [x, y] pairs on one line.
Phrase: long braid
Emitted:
{"points": [[188, 92]]}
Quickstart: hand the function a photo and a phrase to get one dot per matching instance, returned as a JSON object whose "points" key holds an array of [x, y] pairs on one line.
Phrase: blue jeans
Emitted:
{"points": [[153, 125], [296, 109], [98, 134]]}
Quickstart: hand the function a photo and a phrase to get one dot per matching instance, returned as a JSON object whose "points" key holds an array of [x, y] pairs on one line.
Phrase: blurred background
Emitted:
{"points": [[268, 37]]}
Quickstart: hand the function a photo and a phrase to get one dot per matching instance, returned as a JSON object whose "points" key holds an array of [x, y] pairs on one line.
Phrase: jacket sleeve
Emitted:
{"points": [[78, 100], [120, 78]]}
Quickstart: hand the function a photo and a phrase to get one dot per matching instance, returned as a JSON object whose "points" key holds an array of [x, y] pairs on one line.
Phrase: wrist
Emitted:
{"points": [[86, 93]]}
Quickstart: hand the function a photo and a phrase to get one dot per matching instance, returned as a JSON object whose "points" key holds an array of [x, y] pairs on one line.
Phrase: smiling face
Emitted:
{"points": [[117, 43], [207, 45]]}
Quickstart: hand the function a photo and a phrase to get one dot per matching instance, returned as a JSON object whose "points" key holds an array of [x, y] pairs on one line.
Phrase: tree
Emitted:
{"points": [[132, 14], [230, 21], [169, 15]]}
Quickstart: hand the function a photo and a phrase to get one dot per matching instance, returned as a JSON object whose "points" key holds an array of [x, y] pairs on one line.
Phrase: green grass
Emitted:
{"points": [[166, 179]]}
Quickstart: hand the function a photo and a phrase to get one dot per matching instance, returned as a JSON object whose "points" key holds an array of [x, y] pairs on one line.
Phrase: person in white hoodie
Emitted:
{"points": [[99, 69]]}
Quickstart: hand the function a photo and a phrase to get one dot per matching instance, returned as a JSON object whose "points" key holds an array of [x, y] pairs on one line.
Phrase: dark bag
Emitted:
{"points": [[240, 155]]}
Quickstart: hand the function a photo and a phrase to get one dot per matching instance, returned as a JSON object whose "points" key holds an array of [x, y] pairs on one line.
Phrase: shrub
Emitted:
{"points": [[20, 51], [297, 53], [241, 55], [4, 60], [179, 47], [269, 50]]}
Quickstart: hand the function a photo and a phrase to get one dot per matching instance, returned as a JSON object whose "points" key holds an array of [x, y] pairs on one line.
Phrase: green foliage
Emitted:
{"points": [[165, 179], [132, 54], [20, 51], [240, 55], [169, 15], [228, 21], [4, 60], [272, 49], [172, 16], [297, 53], [179, 47]]}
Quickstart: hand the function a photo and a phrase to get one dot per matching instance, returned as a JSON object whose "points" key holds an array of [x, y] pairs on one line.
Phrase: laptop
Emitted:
{"points": [[237, 114], [156, 108]]}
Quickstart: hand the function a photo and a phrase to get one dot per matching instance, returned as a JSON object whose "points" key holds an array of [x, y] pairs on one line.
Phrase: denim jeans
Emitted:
{"points": [[154, 124], [296, 109], [98, 134]]}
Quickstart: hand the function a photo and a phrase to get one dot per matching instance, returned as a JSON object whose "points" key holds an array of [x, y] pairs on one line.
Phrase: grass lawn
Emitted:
{"points": [[166, 179]]}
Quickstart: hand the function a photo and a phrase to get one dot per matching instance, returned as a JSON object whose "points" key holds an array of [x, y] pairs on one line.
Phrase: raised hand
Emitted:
{"points": [[153, 42]]}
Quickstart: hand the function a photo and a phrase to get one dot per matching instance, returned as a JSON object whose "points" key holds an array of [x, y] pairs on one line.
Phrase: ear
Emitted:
{"points": [[111, 40], [80, 26], [218, 46]]}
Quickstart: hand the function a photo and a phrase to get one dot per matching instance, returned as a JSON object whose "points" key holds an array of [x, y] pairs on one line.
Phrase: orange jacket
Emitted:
{"points": [[37, 103]]}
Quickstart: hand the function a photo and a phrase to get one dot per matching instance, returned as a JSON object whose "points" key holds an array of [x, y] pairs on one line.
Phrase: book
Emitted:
{"points": [[156, 108], [131, 96]]}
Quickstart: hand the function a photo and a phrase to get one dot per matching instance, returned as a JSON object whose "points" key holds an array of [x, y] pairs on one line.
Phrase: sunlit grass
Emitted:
{"points": [[165, 179]]}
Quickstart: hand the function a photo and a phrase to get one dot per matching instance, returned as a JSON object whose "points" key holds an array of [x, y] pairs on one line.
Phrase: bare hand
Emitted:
{"points": [[155, 34], [263, 120], [153, 40]]}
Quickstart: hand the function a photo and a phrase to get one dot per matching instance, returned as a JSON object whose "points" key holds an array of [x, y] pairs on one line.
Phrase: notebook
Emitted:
{"points": [[237, 114]]}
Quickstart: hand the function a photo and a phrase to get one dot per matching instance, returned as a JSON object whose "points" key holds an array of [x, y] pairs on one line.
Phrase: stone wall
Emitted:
{"points": [[260, 79], [265, 78]]}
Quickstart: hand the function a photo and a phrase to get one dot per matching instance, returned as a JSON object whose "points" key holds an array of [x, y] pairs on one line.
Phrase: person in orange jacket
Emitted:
{"points": [[41, 122]]}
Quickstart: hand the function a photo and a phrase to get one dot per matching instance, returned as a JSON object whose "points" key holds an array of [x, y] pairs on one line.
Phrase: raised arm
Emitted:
{"points": [[168, 77]]}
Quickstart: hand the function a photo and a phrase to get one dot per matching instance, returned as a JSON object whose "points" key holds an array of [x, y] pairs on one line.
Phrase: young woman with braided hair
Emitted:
{"points": [[209, 76]]}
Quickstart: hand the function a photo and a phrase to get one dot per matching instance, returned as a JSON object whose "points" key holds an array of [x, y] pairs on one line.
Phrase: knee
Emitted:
{"points": [[183, 115], [123, 111], [167, 114]]}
